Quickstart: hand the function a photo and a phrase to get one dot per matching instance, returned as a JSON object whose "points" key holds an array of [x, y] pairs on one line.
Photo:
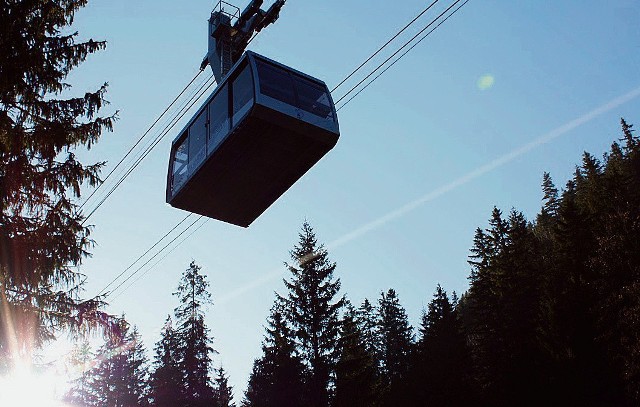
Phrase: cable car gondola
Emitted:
{"points": [[263, 127]]}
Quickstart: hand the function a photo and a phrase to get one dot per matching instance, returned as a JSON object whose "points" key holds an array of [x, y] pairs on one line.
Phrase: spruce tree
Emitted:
{"points": [[357, 381], [277, 378], [313, 307], [166, 379], [43, 238], [580, 365], [223, 393], [120, 377], [397, 346], [441, 362], [80, 393], [369, 325], [483, 307], [194, 350], [505, 307], [615, 266]]}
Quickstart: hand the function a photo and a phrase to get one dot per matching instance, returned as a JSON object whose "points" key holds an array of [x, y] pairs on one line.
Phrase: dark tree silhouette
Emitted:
{"points": [[166, 379], [441, 364], [194, 349], [223, 393], [396, 346], [42, 234], [551, 314], [313, 308], [277, 378], [357, 379], [119, 378], [369, 326]]}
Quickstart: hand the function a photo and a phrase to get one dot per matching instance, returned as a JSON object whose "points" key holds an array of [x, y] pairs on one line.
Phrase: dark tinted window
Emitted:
{"points": [[197, 141], [242, 90], [313, 97], [275, 83], [219, 122], [180, 163]]}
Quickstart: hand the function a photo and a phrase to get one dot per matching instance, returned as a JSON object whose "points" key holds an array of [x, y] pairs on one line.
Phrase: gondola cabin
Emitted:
{"points": [[262, 129]]}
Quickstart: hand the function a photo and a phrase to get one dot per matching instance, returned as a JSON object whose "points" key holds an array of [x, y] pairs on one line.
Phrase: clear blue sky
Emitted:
{"points": [[424, 135]]}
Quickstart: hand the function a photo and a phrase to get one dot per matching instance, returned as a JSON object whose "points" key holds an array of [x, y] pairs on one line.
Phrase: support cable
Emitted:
{"points": [[398, 51], [143, 254], [140, 139], [155, 255], [385, 45], [402, 55], [153, 144], [113, 298]]}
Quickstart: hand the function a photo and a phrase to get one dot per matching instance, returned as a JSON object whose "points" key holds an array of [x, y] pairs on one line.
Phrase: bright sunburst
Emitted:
{"points": [[26, 388]]}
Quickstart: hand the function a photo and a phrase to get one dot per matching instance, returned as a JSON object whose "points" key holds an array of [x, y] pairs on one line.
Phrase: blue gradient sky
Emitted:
{"points": [[424, 154]]}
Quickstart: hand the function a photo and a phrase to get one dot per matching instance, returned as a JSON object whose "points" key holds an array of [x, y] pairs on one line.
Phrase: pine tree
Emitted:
{"points": [[277, 378], [194, 351], [483, 308], [369, 325], [313, 312], [615, 266], [42, 234], [504, 310], [223, 393], [441, 363], [80, 393], [166, 379], [357, 381], [397, 345], [119, 378], [581, 368]]}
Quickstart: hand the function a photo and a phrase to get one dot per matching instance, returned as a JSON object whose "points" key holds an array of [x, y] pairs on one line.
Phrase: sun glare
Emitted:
{"points": [[25, 388], [485, 82]]}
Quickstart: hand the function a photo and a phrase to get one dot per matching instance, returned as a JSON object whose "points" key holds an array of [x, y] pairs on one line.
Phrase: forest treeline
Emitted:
{"points": [[551, 317]]}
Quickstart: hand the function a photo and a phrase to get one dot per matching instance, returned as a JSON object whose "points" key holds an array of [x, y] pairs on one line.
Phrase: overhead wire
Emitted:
{"points": [[400, 57], [140, 139], [104, 290], [156, 255], [397, 51], [113, 297], [202, 90], [384, 46], [344, 104]]}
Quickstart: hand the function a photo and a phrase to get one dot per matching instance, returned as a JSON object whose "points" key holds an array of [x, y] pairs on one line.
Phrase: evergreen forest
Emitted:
{"points": [[550, 318], [551, 315]]}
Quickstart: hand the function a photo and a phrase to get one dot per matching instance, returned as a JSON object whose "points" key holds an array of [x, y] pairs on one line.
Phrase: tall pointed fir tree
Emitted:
{"points": [[617, 262], [120, 376], [357, 380], [396, 346], [277, 378], [194, 350], [79, 364], [223, 393], [368, 322], [483, 308], [314, 307], [42, 235], [441, 363], [166, 379]]}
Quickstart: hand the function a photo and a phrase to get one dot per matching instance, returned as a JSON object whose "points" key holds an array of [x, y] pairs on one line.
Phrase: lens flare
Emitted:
{"points": [[485, 82]]}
